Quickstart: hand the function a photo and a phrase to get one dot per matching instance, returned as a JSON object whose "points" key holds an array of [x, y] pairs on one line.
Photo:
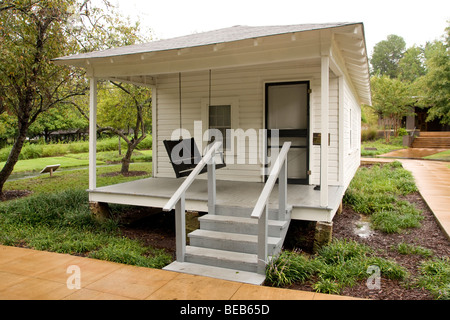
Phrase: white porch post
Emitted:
{"points": [[93, 134], [325, 83]]}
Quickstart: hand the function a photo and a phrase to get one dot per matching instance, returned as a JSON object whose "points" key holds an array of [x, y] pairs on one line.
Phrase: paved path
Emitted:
{"points": [[433, 180], [34, 275]]}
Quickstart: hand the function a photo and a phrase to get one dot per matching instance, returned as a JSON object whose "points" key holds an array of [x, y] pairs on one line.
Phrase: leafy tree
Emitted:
{"points": [[61, 117], [391, 100], [31, 34], [412, 65], [386, 56], [437, 80], [122, 107]]}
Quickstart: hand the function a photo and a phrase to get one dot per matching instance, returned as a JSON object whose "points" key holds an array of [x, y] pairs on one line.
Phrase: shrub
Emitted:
{"points": [[287, 268], [368, 134]]}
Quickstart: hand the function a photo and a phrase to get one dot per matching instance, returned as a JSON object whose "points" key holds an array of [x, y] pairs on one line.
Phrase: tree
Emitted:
{"points": [[437, 80], [31, 34], [391, 100], [122, 107], [412, 65], [386, 56]]}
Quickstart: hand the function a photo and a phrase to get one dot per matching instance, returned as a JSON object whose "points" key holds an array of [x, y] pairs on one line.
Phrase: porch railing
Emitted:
{"points": [[178, 199], [261, 210]]}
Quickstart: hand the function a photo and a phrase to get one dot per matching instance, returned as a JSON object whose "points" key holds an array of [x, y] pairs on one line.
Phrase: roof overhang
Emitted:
{"points": [[233, 47]]}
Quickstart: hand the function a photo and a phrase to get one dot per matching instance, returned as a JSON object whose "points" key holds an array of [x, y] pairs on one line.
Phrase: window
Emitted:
{"points": [[220, 119], [351, 133], [221, 113]]}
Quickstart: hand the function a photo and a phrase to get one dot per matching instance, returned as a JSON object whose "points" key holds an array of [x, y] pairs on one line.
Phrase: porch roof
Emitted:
{"points": [[139, 63], [231, 34]]}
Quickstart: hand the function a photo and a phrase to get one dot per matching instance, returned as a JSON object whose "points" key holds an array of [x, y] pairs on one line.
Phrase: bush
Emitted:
{"points": [[368, 134]]}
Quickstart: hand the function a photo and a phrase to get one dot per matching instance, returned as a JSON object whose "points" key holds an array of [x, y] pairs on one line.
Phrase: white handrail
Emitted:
{"points": [[270, 183], [261, 210], [177, 201], [190, 179]]}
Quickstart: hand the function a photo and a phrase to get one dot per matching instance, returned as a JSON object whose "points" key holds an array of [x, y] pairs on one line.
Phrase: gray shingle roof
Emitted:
{"points": [[235, 33]]}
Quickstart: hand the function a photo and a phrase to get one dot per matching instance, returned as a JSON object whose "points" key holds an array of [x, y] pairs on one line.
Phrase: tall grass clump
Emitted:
{"points": [[62, 222], [435, 277], [340, 264], [376, 191]]}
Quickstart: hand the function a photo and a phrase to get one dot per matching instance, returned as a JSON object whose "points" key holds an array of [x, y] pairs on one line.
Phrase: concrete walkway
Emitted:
{"points": [[40, 275]]}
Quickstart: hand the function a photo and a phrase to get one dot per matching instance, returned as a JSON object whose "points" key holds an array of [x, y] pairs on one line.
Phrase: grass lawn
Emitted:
{"points": [[75, 179], [56, 217], [381, 146], [444, 156], [77, 160]]}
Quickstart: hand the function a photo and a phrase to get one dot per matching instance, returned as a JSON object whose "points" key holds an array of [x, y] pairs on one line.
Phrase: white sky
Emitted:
{"points": [[416, 21]]}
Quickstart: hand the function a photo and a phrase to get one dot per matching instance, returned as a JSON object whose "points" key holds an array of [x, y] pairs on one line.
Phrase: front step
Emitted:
{"points": [[226, 244], [239, 225], [216, 272], [231, 241], [222, 258]]}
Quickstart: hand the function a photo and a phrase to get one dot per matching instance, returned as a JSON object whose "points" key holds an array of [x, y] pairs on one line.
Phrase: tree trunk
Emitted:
{"points": [[14, 154], [126, 160]]}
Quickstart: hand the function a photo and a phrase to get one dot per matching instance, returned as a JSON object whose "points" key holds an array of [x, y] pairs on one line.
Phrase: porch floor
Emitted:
{"points": [[155, 192]]}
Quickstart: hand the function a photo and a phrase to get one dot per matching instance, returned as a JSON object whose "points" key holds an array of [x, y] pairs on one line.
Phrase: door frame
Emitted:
{"points": [[303, 133]]}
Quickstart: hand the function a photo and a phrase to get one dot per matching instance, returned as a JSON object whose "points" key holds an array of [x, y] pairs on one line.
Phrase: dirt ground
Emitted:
{"points": [[157, 229]]}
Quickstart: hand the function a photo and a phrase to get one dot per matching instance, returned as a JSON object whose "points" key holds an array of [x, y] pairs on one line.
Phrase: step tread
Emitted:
{"points": [[222, 254], [223, 218], [231, 236], [216, 272]]}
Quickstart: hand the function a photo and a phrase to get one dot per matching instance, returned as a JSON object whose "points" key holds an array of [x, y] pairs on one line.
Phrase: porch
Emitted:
{"points": [[155, 192]]}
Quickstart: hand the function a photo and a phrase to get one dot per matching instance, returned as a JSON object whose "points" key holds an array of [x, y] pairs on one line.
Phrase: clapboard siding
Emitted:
{"points": [[352, 134], [247, 86]]}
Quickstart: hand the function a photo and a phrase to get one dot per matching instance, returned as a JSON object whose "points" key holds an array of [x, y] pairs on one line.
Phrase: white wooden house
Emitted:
{"points": [[307, 81]]}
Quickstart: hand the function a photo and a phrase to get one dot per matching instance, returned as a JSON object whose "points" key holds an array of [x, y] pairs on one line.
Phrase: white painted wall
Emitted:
{"points": [[246, 86]]}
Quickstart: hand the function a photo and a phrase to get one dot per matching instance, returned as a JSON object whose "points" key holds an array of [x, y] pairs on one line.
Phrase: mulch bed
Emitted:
{"points": [[14, 194], [127, 174]]}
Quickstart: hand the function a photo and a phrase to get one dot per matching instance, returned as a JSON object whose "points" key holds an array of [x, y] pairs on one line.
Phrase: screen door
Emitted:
{"points": [[287, 109]]}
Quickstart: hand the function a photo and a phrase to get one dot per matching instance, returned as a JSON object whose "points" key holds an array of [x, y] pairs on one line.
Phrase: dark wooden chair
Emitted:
{"points": [[184, 156]]}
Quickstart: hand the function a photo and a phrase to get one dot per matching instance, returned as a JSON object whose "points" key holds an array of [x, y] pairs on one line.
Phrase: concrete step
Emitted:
{"points": [[216, 272], [240, 225], [232, 241], [435, 134], [221, 258], [431, 142], [245, 212]]}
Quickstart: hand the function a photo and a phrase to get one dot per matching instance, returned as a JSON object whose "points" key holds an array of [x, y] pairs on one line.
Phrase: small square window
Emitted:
{"points": [[220, 119]]}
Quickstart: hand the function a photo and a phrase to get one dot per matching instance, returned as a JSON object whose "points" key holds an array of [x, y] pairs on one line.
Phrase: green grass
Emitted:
{"points": [[56, 217], [75, 179], [340, 264], [376, 192], [381, 146], [435, 277], [443, 156], [406, 248], [34, 151], [77, 160]]}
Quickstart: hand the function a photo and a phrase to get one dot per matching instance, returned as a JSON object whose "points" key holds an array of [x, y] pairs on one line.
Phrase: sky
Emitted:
{"points": [[416, 21]]}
